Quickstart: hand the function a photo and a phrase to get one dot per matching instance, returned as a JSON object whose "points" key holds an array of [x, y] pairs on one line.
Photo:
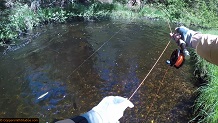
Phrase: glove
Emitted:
{"points": [[183, 38], [109, 110], [185, 34]]}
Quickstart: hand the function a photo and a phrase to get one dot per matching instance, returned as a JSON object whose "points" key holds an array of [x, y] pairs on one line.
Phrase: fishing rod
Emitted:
{"points": [[179, 55], [176, 60]]}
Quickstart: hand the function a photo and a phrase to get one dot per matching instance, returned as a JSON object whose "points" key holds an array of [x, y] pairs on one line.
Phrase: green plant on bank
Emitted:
{"points": [[205, 14], [154, 11], [52, 15], [121, 11], [95, 10], [206, 104], [22, 18], [198, 12]]}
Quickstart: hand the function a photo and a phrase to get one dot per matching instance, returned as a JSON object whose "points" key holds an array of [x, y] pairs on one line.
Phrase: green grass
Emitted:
{"points": [[206, 104], [21, 18]]}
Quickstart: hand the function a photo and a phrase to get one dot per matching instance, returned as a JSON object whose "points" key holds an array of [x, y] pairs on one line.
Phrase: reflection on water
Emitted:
{"points": [[54, 77]]}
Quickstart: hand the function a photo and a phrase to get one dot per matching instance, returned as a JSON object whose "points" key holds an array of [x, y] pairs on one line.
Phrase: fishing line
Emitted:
{"points": [[152, 67], [169, 26], [161, 83], [94, 52], [149, 71]]}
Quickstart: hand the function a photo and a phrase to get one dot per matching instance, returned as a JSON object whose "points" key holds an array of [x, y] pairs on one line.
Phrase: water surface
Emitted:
{"points": [[68, 68]]}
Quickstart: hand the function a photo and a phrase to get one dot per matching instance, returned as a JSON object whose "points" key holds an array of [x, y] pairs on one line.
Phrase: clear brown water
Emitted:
{"points": [[65, 62]]}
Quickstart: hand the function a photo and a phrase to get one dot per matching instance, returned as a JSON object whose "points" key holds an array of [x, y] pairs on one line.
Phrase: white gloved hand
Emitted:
{"points": [[185, 34], [109, 110]]}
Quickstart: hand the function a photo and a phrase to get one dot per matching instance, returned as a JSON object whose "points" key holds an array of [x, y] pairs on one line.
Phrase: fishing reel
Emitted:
{"points": [[178, 57]]}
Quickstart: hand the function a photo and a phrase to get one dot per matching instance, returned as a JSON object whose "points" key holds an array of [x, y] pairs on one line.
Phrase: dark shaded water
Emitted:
{"points": [[63, 73]]}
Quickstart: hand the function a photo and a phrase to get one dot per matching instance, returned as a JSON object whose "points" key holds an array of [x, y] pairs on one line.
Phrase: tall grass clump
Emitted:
{"points": [[20, 18], [88, 12], [206, 104], [205, 13], [202, 13], [154, 11], [121, 11], [56, 15]]}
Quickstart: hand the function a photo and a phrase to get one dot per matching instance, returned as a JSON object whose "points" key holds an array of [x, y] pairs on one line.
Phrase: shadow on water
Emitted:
{"points": [[54, 77]]}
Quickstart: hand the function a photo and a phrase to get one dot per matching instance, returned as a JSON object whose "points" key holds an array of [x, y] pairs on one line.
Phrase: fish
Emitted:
{"points": [[42, 95]]}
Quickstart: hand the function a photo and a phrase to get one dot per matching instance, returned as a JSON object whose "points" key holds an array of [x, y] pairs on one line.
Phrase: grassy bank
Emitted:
{"points": [[20, 18], [16, 20]]}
